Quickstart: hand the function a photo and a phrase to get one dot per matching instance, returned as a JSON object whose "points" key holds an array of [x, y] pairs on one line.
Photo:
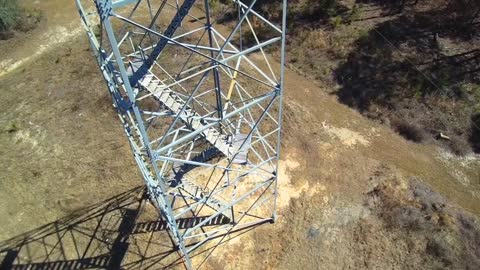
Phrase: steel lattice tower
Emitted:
{"points": [[201, 104]]}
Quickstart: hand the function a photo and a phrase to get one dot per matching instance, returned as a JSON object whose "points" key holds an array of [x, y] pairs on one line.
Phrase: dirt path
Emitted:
{"points": [[56, 28], [68, 152]]}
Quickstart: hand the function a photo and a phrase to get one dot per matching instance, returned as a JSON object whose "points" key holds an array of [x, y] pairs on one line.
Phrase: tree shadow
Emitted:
{"points": [[387, 68], [390, 7], [118, 233], [308, 13], [475, 134], [389, 62]]}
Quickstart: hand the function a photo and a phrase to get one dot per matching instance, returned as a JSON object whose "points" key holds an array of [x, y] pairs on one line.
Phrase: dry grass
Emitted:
{"points": [[451, 236]]}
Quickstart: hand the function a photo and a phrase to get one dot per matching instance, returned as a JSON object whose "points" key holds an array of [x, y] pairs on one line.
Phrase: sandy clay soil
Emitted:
{"points": [[353, 194]]}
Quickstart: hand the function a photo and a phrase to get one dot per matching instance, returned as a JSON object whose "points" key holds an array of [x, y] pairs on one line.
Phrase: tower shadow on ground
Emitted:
{"points": [[118, 233]]}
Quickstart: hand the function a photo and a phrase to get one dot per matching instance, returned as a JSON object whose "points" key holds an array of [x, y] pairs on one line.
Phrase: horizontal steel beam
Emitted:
{"points": [[121, 3]]}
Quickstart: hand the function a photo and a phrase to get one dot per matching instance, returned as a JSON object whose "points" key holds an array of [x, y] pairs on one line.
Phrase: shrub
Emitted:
{"points": [[409, 131], [28, 19], [13, 16], [12, 127], [336, 22], [9, 13], [355, 13], [475, 133], [459, 146]]}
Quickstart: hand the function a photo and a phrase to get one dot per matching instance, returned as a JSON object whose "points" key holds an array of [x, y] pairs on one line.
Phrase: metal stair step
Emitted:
{"points": [[189, 117], [197, 191]]}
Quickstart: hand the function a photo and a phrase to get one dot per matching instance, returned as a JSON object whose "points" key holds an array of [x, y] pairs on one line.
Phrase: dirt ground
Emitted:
{"points": [[353, 194]]}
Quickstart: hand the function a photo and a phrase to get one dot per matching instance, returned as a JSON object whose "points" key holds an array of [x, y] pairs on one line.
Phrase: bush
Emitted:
{"points": [[9, 14], [336, 22], [475, 133], [14, 17], [460, 146], [355, 13], [12, 127], [409, 131]]}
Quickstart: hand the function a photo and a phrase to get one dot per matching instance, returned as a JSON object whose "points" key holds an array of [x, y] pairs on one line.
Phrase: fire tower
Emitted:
{"points": [[198, 88]]}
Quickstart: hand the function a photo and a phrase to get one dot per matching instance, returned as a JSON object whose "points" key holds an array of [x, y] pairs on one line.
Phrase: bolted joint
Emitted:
{"points": [[104, 8], [278, 90], [123, 104], [273, 219], [154, 155]]}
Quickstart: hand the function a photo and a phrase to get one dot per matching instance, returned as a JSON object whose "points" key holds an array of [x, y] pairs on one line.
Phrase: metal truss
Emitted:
{"points": [[201, 105]]}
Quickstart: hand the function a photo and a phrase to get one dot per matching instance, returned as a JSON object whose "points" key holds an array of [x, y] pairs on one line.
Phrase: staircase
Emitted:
{"points": [[157, 50], [198, 192], [192, 119]]}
